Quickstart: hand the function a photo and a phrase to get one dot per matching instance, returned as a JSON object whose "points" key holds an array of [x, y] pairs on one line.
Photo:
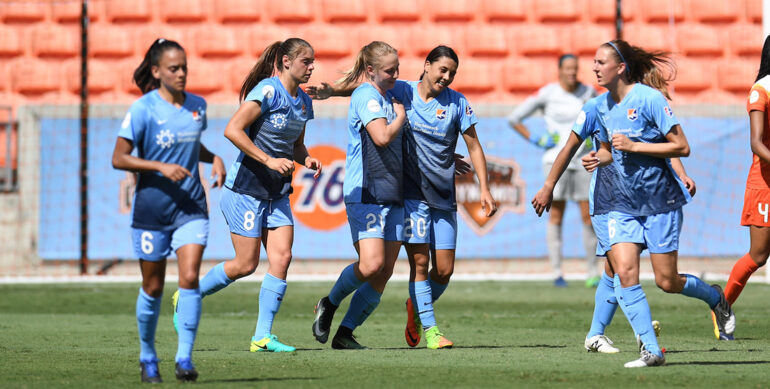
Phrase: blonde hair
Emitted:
{"points": [[369, 55]]}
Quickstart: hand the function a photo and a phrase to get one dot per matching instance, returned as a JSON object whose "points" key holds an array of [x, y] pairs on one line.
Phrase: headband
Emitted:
{"points": [[622, 59]]}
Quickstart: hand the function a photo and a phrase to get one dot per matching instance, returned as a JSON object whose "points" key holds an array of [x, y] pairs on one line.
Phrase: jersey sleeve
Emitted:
{"points": [[309, 106], [367, 104], [467, 118], [757, 100], [134, 123], [264, 93], [204, 115], [585, 124], [660, 113]]}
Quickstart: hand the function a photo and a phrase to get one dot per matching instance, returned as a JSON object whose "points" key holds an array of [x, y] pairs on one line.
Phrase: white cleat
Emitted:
{"points": [[646, 359], [600, 344], [656, 328]]}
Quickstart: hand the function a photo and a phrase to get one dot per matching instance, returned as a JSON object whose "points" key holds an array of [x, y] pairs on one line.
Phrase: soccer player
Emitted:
{"points": [[269, 131], [561, 102], [170, 213], [646, 208], [373, 192], [757, 196]]}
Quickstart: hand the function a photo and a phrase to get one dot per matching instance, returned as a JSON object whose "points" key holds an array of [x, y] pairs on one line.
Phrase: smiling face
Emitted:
{"points": [[439, 74], [384, 76], [607, 68], [301, 67], [171, 70]]}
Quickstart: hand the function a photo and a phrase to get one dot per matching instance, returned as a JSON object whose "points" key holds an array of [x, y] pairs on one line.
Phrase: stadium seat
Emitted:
{"points": [[504, 10], [51, 40], [101, 76], [527, 75], [746, 39], [556, 11], [649, 36], [189, 11], [716, 11], [137, 11], [23, 12], [109, 41], [238, 70], [33, 76], [10, 42], [455, 11], [754, 11], [238, 11], [476, 76], [410, 69], [486, 40], [205, 76], [398, 10], [296, 11], [335, 11], [694, 75], [586, 38], [532, 40], [216, 41], [660, 10], [737, 75], [69, 11], [393, 36], [423, 38], [603, 11], [328, 41], [263, 35], [696, 40]]}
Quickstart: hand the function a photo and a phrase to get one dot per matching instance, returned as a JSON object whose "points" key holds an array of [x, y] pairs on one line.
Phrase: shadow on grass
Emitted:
{"points": [[712, 350], [261, 379], [710, 363]]}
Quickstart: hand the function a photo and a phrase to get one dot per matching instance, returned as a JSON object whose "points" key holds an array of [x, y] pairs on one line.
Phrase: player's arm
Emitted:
{"points": [[676, 145], [218, 171], [123, 160], [302, 157], [757, 125], [235, 132], [523, 111], [479, 162], [688, 182], [542, 200], [326, 90], [383, 133]]}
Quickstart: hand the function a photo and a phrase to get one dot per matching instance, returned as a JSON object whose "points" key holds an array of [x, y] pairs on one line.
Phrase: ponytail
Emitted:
{"points": [[143, 74], [646, 67], [270, 61]]}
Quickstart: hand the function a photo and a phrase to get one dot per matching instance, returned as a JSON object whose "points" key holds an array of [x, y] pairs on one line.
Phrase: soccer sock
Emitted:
{"points": [[553, 241], [345, 285], [436, 289], [270, 297], [215, 280], [742, 270], [633, 302], [189, 313], [694, 287], [147, 312], [420, 293], [605, 305], [589, 243], [363, 303]]}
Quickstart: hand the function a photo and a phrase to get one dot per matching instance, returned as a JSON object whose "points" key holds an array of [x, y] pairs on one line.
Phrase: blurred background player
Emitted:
{"points": [[269, 131], [561, 102], [170, 211], [646, 211], [373, 191]]}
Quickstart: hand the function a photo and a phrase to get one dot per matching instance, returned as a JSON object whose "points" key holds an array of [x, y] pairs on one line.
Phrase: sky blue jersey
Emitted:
{"points": [[646, 185], [275, 131], [373, 174], [162, 132], [430, 141]]}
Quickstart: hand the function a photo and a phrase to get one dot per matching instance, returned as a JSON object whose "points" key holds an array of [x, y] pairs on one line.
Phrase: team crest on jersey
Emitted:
{"points": [[440, 114], [198, 115], [632, 114], [668, 111], [468, 110], [304, 109]]}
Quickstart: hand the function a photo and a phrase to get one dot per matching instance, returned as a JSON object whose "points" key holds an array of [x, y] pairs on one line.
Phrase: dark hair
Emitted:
{"points": [[439, 52], [369, 55], [764, 62], [143, 74], [565, 57], [644, 66], [270, 60]]}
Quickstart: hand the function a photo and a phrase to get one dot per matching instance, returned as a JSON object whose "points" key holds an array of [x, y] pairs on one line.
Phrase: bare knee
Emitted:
{"points": [[153, 287], [443, 274], [188, 278], [242, 267], [669, 284], [370, 269]]}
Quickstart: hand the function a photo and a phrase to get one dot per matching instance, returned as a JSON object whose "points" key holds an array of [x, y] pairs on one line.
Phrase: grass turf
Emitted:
{"points": [[506, 334]]}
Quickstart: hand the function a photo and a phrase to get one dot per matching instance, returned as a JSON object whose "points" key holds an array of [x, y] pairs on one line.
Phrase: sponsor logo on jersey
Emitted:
{"points": [[319, 203], [753, 97], [164, 139], [668, 111], [468, 110], [632, 114], [440, 114], [268, 91], [581, 118], [278, 120], [507, 187]]}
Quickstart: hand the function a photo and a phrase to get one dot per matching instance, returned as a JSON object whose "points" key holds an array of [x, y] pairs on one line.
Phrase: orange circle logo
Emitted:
{"points": [[320, 204]]}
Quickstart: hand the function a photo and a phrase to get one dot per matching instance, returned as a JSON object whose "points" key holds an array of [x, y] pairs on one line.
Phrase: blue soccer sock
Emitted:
{"points": [[270, 298], [633, 302], [436, 289], [189, 314], [694, 287], [147, 312], [421, 296], [345, 285], [215, 280], [363, 303], [605, 305]]}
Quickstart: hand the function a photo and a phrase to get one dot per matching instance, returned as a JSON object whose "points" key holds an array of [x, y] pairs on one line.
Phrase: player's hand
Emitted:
{"points": [[488, 203], [314, 164], [689, 184], [461, 166], [590, 161], [322, 92], [174, 172], [281, 165], [398, 107], [542, 201], [218, 172], [622, 143], [544, 139]]}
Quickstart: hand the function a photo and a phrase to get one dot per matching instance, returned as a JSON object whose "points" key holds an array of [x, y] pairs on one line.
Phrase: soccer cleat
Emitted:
{"points": [[174, 302], [149, 371], [413, 330], [345, 340], [324, 313], [560, 282], [723, 317], [185, 371], [436, 340], [270, 343], [647, 359], [600, 344], [592, 282], [655, 327]]}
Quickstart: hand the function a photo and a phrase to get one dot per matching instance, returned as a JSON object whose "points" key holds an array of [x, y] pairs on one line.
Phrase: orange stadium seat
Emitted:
{"points": [[716, 11], [695, 40], [23, 12], [486, 40], [410, 69], [603, 11], [737, 75], [189, 11], [328, 41], [694, 75], [238, 11], [556, 11], [33, 76], [344, 11], [239, 69], [746, 39], [217, 41], [263, 35], [537, 40], [398, 10], [476, 76], [145, 34], [10, 42], [205, 77], [754, 11], [139, 11], [456, 10], [296, 11], [586, 38], [528, 75], [51, 40], [395, 37], [69, 11], [504, 10], [660, 10], [101, 76], [109, 41], [649, 37], [424, 38]]}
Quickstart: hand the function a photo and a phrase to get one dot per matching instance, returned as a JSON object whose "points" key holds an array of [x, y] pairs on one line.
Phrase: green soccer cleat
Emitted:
{"points": [[436, 340], [174, 302], [270, 344]]}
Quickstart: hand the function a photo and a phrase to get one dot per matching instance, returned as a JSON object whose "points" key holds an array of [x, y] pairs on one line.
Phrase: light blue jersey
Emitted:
{"points": [[373, 174], [430, 142], [278, 127], [162, 132], [646, 185]]}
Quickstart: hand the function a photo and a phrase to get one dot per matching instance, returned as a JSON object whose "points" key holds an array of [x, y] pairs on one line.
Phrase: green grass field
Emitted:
{"points": [[506, 334]]}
